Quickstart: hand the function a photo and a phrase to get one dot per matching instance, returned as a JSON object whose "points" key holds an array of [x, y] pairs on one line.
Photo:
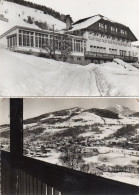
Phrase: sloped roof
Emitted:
{"points": [[86, 22]]}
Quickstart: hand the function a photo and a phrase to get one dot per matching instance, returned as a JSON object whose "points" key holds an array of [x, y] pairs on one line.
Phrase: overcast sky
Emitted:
{"points": [[123, 11], [37, 106]]}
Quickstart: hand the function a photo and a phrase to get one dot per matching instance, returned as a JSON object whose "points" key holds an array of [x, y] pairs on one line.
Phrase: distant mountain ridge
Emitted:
{"points": [[112, 112], [67, 114], [77, 122], [106, 113], [120, 110], [135, 114]]}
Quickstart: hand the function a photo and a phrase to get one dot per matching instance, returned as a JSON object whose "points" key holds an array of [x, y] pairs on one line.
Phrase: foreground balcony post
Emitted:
{"points": [[16, 141], [16, 129]]}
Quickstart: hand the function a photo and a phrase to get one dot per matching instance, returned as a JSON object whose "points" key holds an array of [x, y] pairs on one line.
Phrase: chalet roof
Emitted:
{"points": [[86, 22]]}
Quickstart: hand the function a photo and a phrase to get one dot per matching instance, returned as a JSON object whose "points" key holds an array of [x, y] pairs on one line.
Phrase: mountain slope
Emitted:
{"points": [[104, 113], [135, 114], [120, 109], [20, 15]]}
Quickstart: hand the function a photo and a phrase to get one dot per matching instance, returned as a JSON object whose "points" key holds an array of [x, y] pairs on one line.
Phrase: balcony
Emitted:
{"points": [[21, 175], [34, 177], [106, 56]]}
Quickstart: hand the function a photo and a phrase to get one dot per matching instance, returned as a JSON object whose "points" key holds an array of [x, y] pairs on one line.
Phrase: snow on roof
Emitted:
{"points": [[86, 23]]}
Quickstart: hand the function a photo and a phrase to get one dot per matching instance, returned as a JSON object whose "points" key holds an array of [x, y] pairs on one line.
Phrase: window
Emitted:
{"points": [[113, 30], [20, 39], [78, 58], [101, 25], [44, 40], [8, 40], [36, 41], [26, 38], [84, 46], [113, 51], [12, 41], [123, 53], [116, 29], [78, 46], [123, 32], [98, 49]]}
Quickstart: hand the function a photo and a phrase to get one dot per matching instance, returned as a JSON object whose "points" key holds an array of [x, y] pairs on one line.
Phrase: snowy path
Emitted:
{"points": [[28, 75], [80, 82]]}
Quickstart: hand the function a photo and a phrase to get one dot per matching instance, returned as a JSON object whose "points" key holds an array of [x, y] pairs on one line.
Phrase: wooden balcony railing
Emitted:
{"points": [[34, 177], [106, 56]]}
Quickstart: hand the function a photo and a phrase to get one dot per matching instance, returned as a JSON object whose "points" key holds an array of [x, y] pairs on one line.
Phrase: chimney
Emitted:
{"points": [[68, 22]]}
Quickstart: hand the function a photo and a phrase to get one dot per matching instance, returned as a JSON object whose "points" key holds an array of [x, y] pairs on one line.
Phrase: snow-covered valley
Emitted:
{"points": [[107, 141]]}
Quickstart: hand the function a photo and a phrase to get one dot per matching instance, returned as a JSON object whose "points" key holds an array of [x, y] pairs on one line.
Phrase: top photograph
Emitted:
{"points": [[58, 48]]}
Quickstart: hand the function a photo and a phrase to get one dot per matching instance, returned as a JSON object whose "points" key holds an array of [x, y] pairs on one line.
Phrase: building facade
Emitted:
{"points": [[92, 40], [106, 39], [29, 40]]}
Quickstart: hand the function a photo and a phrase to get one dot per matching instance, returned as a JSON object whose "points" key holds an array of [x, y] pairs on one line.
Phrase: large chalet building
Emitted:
{"points": [[95, 39], [105, 39]]}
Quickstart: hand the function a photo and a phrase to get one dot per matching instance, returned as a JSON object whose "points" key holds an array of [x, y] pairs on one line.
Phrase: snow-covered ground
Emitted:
{"points": [[114, 157], [118, 79], [28, 75], [130, 178], [52, 158], [21, 13]]}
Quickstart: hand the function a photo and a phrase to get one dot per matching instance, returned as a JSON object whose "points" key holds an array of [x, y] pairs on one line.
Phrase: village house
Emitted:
{"points": [[95, 39]]}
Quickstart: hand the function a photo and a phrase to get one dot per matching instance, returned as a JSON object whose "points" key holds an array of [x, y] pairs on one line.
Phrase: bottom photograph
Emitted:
{"points": [[69, 146]]}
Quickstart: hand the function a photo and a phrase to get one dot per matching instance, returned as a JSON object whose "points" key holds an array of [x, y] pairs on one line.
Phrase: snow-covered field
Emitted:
{"points": [[21, 13], [117, 157], [118, 79], [28, 75], [123, 177]]}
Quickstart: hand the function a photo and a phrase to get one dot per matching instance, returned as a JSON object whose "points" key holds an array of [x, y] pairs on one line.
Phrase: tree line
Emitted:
{"points": [[43, 8]]}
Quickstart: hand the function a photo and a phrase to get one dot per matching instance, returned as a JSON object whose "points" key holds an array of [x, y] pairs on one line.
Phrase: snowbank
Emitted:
{"points": [[117, 79], [28, 75]]}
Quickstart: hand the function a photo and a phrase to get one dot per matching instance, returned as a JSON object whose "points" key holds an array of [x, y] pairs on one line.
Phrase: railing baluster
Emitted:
{"points": [[56, 192], [35, 187], [43, 189], [49, 190], [24, 183], [18, 185], [39, 187], [31, 185], [28, 184]]}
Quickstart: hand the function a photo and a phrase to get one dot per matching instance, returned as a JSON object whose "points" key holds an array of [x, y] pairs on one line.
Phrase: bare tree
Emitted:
{"points": [[72, 157], [49, 48]]}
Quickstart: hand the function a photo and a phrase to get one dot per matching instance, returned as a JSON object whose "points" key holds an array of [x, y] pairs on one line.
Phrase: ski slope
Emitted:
{"points": [[28, 75], [16, 14]]}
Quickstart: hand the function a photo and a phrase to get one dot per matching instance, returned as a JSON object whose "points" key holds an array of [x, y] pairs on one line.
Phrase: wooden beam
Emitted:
{"points": [[16, 130]]}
